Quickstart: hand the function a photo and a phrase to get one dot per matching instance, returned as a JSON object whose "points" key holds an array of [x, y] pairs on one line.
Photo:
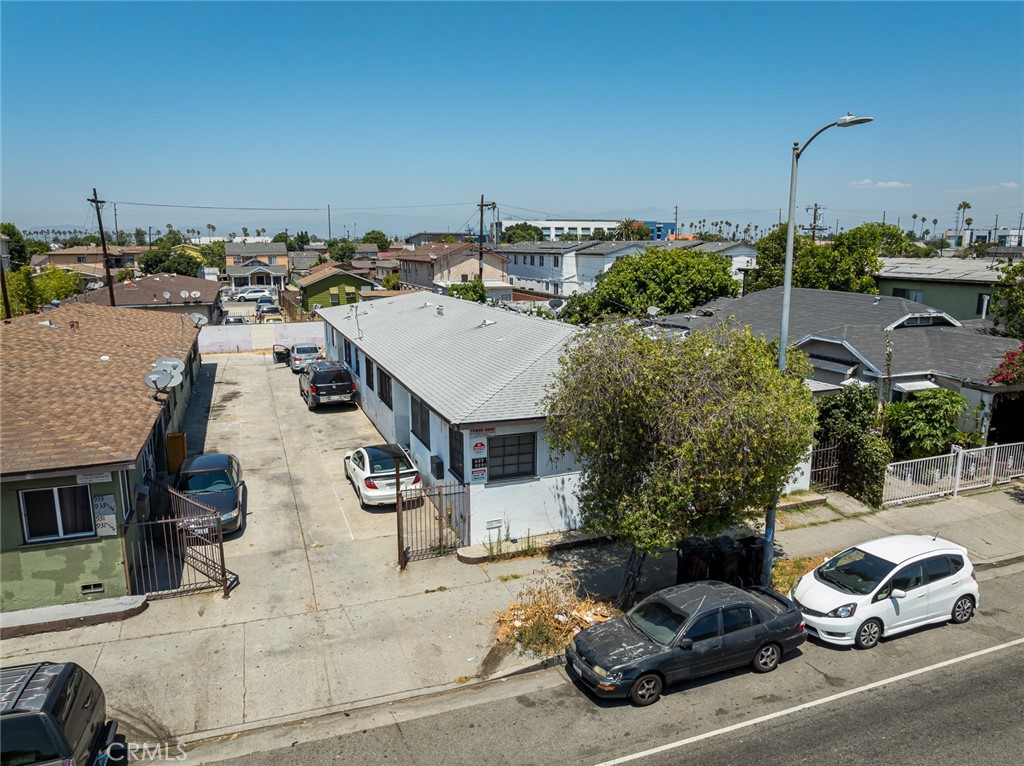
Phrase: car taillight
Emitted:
{"points": [[312, 389], [353, 386], [416, 479], [369, 483], [801, 628]]}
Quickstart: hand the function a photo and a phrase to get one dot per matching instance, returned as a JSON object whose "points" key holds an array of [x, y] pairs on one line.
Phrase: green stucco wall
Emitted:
{"points": [[46, 574], [960, 301], [320, 292]]}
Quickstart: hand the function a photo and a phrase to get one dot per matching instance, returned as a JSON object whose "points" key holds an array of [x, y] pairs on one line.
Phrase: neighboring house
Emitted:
{"points": [[256, 264], [121, 256], [189, 248], [331, 287], [166, 293], [461, 385], [845, 336], [438, 266], [963, 288], [565, 268], [365, 250], [77, 454], [300, 263], [742, 255]]}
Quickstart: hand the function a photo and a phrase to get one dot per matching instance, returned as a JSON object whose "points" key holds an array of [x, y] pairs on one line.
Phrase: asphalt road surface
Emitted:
{"points": [[941, 695]]}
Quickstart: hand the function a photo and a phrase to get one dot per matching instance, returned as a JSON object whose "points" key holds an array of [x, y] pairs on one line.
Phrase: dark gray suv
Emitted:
{"points": [[54, 713], [326, 383]]}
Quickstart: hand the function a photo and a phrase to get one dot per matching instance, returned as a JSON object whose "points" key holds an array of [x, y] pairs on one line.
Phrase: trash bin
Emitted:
{"points": [[693, 560], [753, 558], [727, 561]]}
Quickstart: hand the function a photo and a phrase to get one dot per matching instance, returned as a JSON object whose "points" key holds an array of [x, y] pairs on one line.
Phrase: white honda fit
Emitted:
{"points": [[887, 586]]}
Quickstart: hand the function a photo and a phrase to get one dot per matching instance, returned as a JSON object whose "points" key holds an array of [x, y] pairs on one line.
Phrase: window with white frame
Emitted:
{"points": [[511, 456], [57, 513]]}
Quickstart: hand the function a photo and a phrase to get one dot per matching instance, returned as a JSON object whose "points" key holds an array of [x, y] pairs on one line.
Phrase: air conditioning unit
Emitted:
{"points": [[437, 467]]}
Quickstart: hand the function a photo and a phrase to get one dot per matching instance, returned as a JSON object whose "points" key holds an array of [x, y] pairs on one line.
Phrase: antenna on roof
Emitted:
{"points": [[199, 319]]}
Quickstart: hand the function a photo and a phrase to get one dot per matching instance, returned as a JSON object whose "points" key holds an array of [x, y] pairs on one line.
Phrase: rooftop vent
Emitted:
{"points": [[440, 311], [488, 322]]}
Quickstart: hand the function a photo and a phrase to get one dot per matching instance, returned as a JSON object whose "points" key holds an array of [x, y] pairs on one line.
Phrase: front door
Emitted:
{"points": [[281, 353]]}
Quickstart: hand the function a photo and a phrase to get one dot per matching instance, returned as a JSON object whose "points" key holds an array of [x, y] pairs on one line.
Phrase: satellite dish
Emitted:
{"points": [[555, 303], [653, 311], [195, 294], [167, 295], [170, 364], [158, 379], [199, 319], [175, 380], [183, 293]]}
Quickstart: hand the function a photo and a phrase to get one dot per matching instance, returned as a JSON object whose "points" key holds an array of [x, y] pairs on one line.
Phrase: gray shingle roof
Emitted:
{"points": [[970, 352], [255, 248], [941, 269], [464, 370]]}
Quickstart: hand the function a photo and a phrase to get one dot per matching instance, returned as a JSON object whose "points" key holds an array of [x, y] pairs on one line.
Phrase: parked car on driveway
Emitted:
{"points": [[254, 293], [53, 714], [372, 473], [263, 303], [273, 319], [302, 354], [326, 383], [682, 633], [264, 312], [215, 480], [235, 320], [887, 586]]}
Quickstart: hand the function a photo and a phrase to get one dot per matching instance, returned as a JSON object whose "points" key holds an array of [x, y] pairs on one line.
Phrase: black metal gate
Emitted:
{"points": [[175, 548], [432, 521], [825, 467]]}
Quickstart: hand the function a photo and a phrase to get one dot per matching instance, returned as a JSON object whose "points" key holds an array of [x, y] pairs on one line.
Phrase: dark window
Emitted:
{"points": [[369, 373], [738, 618], [956, 563], [456, 459], [542, 260], [331, 377], [421, 422], [348, 352], [58, 512], [982, 297], [909, 578], [511, 456], [706, 627], [937, 568], [554, 259], [27, 740], [532, 262], [384, 387]]}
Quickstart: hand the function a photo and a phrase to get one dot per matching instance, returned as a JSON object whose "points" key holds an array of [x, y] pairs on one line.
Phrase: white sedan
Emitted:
{"points": [[372, 473]]}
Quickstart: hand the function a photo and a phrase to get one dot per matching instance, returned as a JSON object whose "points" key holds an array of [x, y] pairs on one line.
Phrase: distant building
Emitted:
{"points": [[437, 267], [582, 229], [968, 237], [426, 237]]}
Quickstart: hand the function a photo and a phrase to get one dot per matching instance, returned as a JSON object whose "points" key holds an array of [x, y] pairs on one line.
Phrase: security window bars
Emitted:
{"points": [[456, 458], [421, 421], [512, 456], [369, 373], [384, 387]]}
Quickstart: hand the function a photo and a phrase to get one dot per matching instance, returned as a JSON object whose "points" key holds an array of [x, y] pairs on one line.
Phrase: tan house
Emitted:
{"points": [[252, 264], [437, 266], [121, 257]]}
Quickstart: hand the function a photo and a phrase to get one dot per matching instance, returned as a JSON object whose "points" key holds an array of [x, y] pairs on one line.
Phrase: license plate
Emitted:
{"points": [[201, 531], [330, 398], [388, 485]]}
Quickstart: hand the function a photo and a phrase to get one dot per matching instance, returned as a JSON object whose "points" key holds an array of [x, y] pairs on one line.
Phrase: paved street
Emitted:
{"points": [[966, 712]]}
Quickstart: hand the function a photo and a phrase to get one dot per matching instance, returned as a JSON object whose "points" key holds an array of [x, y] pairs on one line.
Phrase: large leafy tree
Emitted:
{"points": [[289, 243], [1008, 301], [164, 260], [378, 238], [391, 282], [471, 291], [925, 425], [672, 280], [21, 289], [676, 437], [213, 255], [54, 284], [15, 245], [341, 250], [521, 232]]}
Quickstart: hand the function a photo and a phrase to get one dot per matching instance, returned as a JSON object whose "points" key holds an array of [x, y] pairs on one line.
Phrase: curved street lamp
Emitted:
{"points": [[787, 290]]}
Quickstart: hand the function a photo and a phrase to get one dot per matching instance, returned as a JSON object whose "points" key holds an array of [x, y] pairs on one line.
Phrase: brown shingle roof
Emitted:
{"points": [[440, 250], [149, 291], [61, 405]]}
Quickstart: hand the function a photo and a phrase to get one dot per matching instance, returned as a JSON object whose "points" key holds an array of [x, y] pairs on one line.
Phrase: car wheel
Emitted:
{"points": [[868, 634], [359, 494], [646, 690], [767, 658], [963, 610]]}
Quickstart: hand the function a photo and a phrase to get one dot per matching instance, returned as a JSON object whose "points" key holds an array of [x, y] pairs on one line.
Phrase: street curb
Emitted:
{"points": [[477, 554], [998, 563], [130, 606]]}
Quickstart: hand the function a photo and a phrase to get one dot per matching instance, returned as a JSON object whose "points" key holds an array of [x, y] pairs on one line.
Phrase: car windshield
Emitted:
{"points": [[26, 740], [657, 620], [302, 350], [208, 481], [855, 571]]}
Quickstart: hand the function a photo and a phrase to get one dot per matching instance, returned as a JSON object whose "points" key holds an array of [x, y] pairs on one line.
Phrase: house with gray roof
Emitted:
{"points": [[847, 337], [461, 384], [962, 287], [256, 264], [742, 255]]}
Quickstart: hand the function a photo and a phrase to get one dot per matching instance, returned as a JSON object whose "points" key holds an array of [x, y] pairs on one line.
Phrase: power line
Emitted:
{"points": [[288, 209]]}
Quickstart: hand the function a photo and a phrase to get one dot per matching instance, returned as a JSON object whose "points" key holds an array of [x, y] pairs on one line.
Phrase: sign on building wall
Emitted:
{"points": [[93, 478], [478, 450], [104, 512]]}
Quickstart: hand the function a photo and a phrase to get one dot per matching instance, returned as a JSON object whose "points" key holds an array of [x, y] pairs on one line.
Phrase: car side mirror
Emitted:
{"points": [[897, 593], [686, 643]]}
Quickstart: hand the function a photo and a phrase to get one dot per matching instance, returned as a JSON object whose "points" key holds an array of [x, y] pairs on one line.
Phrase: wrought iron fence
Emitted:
{"points": [[962, 469], [431, 520], [825, 467]]}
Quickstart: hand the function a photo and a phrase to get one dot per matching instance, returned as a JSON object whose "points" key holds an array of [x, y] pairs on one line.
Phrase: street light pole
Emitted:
{"points": [[787, 291]]}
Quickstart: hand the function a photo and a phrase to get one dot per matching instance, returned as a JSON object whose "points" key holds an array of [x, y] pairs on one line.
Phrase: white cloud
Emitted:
{"points": [[892, 185], [980, 189], [865, 182]]}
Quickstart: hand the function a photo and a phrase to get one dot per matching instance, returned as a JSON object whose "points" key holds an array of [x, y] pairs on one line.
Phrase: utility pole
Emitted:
{"points": [[813, 228], [3, 286], [480, 235], [150, 228], [96, 202], [883, 218], [675, 226], [328, 222], [117, 231], [1020, 230]]}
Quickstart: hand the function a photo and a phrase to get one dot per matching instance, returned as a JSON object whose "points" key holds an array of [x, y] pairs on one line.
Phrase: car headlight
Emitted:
{"points": [[846, 610], [598, 670]]}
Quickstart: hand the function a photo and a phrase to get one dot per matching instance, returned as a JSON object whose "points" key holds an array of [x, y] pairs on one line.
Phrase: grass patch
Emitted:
{"points": [[785, 572], [508, 577]]}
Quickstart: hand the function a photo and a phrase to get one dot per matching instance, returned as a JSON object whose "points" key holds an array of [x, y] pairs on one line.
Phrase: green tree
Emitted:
{"points": [[926, 425], [676, 437], [16, 245], [391, 282], [213, 255], [289, 243], [599, 234], [521, 232], [341, 250], [21, 289], [631, 230], [1008, 301], [378, 238], [54, 284], [471, 291], [165, 260], [140, 237], [302, 239], [35, 247], [124, 274], [672, 280]]}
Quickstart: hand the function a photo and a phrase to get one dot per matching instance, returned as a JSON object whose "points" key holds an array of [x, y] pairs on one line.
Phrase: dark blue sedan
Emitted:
{"points": [[214, 480]]}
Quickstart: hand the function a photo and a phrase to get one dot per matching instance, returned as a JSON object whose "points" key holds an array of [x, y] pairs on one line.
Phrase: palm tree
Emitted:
{"points": [[963, 207], [245, 231], [211, 228], [914, 225], [626, 230]]}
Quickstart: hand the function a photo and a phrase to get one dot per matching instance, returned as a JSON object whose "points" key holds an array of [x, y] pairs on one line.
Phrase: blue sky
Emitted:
{"points": [[400, 115]]}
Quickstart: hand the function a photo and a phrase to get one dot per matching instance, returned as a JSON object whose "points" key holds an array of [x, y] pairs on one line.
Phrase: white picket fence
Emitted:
{"points": [[962, 469]]}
